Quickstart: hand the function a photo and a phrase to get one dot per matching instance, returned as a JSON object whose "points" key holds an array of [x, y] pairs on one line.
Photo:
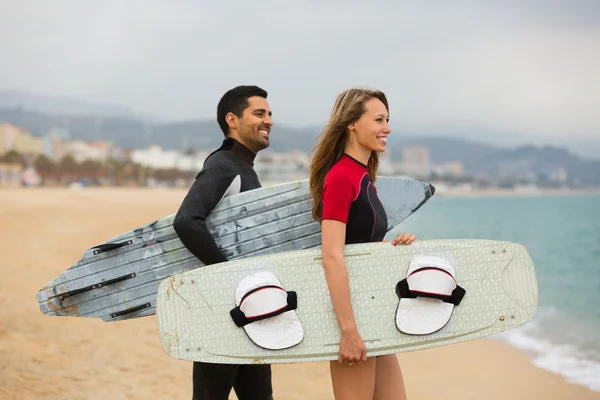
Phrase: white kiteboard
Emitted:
{"points": [[277, 308]]}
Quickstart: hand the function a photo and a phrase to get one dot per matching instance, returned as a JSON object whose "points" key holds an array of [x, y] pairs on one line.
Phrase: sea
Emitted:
{"points": [[562, 235]]}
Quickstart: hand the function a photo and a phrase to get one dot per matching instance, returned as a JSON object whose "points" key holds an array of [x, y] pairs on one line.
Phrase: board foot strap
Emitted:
{"points": [[63, 296], [101, 248]]}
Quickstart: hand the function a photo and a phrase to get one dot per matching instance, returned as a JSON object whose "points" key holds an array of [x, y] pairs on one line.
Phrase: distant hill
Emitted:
{"points": [[138, 133], [135, 133], [61, 105]]}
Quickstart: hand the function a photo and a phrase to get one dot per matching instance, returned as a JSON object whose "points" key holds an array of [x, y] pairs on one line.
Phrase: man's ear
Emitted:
{"points": [[232, 120]]}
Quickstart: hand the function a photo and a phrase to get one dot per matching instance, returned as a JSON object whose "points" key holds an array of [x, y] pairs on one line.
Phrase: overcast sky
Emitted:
{"points": [[515, 67]]}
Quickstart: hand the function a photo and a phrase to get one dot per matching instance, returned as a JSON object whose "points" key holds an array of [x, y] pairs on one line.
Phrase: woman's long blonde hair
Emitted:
{"points": [[349, 107]]}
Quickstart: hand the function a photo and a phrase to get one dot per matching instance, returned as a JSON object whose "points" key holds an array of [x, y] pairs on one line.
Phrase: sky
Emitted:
{"points": [[507, 71]]}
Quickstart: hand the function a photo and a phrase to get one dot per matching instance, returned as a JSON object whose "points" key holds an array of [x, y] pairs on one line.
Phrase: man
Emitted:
{"points": [[244, 116]]}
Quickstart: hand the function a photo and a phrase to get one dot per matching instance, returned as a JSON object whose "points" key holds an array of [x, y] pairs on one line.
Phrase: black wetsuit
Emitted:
{"points": [[226, 171], [349, 196]]}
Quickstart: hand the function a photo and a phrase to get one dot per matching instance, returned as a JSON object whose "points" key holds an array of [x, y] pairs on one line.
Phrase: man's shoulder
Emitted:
{"points": [[218, 156], [216, 162], [220, 159]]}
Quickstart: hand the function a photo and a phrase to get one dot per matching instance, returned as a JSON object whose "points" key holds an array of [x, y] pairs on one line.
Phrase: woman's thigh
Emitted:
{"points": [[353, 382], [389, 383]]}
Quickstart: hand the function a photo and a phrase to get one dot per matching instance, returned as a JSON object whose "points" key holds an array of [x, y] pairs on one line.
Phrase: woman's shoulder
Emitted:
{"points": [[343, 177], [338, 171]]}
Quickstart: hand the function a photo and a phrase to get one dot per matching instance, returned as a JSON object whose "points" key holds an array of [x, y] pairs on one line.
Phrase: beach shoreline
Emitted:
{"points": [[45, 230], [496, 192], [440, 192]]}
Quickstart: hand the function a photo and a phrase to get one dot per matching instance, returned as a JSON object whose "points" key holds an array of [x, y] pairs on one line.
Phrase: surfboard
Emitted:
{"points": [[118, 279], [196, 309]]}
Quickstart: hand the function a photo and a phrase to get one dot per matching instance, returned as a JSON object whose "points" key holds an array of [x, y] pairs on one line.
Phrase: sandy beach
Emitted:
{"points": [[44, 231]]}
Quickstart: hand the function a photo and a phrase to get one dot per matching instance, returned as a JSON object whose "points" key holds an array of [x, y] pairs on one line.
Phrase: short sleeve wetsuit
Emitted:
{"points": [[349, 196]]}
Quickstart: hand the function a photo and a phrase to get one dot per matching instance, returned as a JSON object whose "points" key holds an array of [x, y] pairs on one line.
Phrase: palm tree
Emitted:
{"points": [[45, 167], [12, 157], [68, 167]]}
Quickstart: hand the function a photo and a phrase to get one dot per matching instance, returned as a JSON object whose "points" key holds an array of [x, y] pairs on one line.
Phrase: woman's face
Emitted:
{"points": [[372, 128]]}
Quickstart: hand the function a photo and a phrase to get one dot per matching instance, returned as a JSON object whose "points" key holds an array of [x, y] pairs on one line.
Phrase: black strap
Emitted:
{"points": [[101, 248], [241, 320], [130, 310], [96, 286], [403, 291]]}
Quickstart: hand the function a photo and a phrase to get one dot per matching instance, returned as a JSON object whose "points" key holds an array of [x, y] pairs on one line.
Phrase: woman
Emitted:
{"points": [[342, 177]]}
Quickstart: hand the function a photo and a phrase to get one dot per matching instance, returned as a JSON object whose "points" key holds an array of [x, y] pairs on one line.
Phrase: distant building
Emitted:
{"points": [[48, 147], [81, 151], [386, 165], [156, 157], [60, 134], [415, 162], [454, 169], [415, 155], [53, 146], [10, 174], [558, 175], [274, 168], [18, 139]]}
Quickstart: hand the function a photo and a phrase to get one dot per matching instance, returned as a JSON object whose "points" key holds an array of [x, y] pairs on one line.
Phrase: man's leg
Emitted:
{"points": [[253, 382], [213, 381]]}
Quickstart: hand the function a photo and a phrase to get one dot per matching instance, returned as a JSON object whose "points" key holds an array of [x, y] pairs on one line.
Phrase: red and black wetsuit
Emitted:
{"points": [[350, 196]]}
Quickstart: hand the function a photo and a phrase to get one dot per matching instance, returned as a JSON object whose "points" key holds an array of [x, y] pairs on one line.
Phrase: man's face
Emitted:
{"points": [[254, 127]]}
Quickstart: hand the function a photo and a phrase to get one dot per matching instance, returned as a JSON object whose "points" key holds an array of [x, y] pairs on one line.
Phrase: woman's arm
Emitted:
{"points": [[352, 348]]}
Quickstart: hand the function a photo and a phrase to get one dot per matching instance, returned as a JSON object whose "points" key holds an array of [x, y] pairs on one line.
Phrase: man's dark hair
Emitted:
{"points": [[236, 101]]}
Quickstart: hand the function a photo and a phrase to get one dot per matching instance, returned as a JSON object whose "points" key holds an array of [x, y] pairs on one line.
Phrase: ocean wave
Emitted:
{"points": [[577, 366]]}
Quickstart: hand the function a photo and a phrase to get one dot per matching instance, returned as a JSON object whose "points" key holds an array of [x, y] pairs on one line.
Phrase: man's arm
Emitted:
{"points": [[190, 221]]}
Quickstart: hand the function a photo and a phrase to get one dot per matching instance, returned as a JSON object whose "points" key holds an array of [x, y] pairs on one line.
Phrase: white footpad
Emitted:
{"points": [[428, 296], [266, 311]]}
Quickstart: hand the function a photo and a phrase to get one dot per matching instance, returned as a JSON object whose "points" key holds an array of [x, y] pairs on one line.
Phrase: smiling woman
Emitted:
{"points": [[363, 129], [342, 184]]}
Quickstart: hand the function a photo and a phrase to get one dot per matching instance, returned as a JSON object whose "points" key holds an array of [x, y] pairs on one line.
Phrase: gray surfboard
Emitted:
{"points": [[118, 279]]}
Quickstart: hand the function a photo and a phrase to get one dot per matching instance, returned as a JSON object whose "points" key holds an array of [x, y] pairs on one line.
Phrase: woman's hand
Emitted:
{"points": [[352, 348], [404, 238]]}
